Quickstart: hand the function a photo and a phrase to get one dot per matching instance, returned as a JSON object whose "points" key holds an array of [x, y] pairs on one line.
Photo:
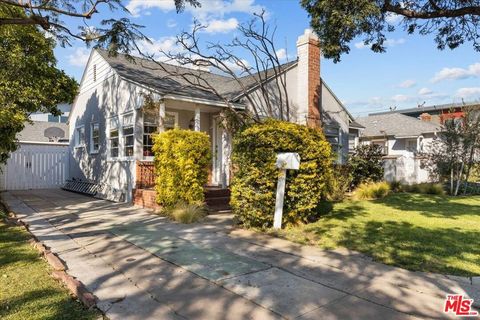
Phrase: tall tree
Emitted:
{"points": [[29, 79], [338, 22], [116, 35]]}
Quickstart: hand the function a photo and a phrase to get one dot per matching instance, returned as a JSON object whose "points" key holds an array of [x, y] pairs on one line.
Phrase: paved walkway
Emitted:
{"points": [[141, 266]]}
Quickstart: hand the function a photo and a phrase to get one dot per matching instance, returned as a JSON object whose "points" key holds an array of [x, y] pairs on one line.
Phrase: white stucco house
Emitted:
{"points": [[110, 133], [402, 139]]}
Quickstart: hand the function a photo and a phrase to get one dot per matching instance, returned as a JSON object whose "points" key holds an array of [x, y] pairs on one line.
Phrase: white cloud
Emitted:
{"points": [[79, 57], [394, 42], [360, 45], [472, 92], [408, 84], [171, 23], [471, 71], [281, 54], [221, 26], [393, 18], [401, 98], [219, 8], [137, 7], [425, 92], [388, 43], [156, 46]]}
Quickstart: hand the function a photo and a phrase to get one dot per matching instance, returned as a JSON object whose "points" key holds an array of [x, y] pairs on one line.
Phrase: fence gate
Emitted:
{"points": [[35, 166]]}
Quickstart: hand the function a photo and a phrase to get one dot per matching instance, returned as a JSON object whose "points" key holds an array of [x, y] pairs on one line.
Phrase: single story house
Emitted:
{"points": [[402, 139], [111, 132]]}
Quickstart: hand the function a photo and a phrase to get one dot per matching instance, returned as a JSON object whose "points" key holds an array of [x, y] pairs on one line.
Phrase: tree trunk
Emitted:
{"points": [[459, 179]]}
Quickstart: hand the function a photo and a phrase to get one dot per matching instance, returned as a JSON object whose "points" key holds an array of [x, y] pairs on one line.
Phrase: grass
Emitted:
{"points": [[187, 213], [415, 231], [372, 190], [27, 291]]}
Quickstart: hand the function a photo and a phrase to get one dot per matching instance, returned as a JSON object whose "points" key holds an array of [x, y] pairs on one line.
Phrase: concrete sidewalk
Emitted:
{"points": [[141, 266]]}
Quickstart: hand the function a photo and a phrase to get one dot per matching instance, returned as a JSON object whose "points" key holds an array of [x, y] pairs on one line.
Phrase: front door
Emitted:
{"points": [[217, 152]]}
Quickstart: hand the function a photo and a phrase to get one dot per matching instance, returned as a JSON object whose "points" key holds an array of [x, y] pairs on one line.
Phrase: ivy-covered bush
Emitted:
{"points": [[255, 174], [366, 164], [181, 159]]}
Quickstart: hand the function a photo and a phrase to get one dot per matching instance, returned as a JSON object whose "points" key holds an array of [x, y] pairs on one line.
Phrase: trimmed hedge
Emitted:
{"points": [[182, 158], [255, 174]]}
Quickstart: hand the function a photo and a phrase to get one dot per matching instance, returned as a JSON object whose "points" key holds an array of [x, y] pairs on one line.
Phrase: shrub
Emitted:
{"points": [[372, 190], [396, 186], [341, 184], [255, 174], [366, 164], [426, 188], [187, 213], [181, 162]]}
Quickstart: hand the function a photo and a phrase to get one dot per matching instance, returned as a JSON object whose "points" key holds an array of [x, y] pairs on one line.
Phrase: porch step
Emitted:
{"points": [[217, 199]]}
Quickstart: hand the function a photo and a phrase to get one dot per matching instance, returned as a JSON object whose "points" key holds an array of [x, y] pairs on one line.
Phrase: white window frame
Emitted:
{"points": [[92, 143], [123, 136], [157, 124], [78, 143], [109, 139]]}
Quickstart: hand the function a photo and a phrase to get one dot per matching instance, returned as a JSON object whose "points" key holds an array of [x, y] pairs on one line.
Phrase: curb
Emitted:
{"points": [[59, 272]]}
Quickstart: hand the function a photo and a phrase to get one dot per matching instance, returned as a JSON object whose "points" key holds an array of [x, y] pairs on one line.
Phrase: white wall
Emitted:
{"points": [[97, 101]]}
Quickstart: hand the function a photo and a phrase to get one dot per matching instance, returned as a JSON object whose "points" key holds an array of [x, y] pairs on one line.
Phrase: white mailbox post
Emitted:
{"points": [[285, 160]]}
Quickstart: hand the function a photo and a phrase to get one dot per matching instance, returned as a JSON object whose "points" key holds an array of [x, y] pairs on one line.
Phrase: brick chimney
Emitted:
{"points": [[309, 83]]}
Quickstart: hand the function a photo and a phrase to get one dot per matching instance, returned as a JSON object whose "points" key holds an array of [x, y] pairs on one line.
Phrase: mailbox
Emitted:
{"points": [[288, 160]]}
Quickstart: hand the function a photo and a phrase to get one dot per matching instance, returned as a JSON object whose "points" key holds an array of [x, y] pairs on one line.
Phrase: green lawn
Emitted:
{"points": [[26, 289], [417, 232]]}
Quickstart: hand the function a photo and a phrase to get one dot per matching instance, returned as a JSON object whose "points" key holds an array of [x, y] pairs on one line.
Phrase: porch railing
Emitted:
{"points": [[145, 175]]}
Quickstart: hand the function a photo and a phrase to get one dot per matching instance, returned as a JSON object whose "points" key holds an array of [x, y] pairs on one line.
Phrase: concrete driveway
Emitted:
{"points": [[142, 266]]}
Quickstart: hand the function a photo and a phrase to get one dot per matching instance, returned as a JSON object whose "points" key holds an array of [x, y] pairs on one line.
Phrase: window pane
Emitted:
{"points": [[127, 130], [128, 151], [129, 140], [127, 120], [114, 152], [114, 133]]}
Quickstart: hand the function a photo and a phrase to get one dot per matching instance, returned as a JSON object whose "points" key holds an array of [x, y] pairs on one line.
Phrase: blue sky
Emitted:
{"points": [[412, 71]]}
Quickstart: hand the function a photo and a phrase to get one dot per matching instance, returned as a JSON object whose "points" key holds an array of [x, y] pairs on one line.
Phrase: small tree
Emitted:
{"points": [[366, 164], [452, 156]]}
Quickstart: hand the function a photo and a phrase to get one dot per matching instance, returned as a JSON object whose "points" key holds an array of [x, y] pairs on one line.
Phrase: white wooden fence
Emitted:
{"points": [[35, 166]]}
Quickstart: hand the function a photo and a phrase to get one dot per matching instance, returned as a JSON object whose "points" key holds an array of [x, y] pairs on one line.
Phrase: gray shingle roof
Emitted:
{"points": [[395, 124], [150, 74]]}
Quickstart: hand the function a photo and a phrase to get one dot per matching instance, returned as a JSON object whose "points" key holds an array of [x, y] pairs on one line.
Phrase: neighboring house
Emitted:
{"points": [[48, 117], [401, 138], [111, 133], [436, 113], [40, 131]]}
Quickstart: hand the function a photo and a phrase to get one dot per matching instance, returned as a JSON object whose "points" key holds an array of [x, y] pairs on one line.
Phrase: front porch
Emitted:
{"points": [[217, 198], [187, 116]]}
